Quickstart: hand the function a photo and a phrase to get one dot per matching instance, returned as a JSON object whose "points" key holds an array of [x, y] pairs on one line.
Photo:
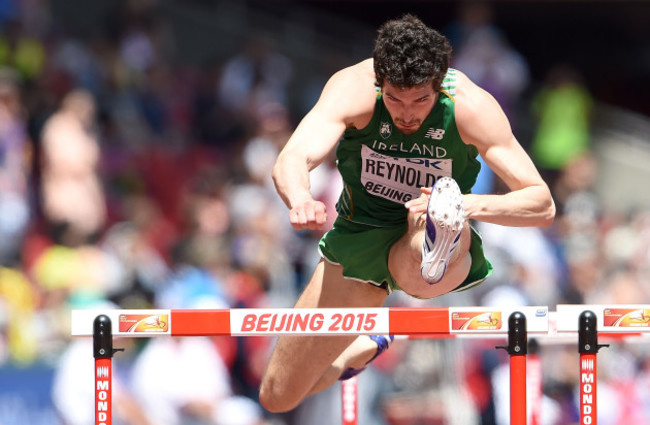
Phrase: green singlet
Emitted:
{"points": [[382, 169]]}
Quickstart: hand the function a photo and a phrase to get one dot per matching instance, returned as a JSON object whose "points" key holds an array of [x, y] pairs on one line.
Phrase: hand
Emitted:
{"points": [[418, 205], [308, 214]]}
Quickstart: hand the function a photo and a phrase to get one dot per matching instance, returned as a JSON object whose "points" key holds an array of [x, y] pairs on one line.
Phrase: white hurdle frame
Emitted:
{"points": [[586, 322]]}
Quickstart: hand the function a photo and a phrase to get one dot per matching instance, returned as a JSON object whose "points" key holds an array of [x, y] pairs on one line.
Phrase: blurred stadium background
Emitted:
{"points": [[136, 140]]}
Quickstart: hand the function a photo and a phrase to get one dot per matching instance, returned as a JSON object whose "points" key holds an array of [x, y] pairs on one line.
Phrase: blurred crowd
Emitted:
{"points": [[130, 181]]}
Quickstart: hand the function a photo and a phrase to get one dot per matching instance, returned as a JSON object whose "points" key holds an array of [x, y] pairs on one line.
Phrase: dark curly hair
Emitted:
{"points": [[407, 53]]}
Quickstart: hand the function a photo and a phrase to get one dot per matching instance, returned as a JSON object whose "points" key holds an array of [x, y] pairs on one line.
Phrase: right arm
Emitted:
{"points": [[341, 103]]}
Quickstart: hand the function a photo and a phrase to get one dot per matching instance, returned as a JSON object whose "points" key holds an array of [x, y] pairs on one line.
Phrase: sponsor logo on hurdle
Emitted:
{"points": [[626, 318], [476, 320], [144, 323], [102, 372], [587, 391], [102, 394], [308, 321]]}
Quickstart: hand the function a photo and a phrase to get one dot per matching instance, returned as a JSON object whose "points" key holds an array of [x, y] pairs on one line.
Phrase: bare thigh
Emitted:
{"points": [[405, 259], [298, 362]]}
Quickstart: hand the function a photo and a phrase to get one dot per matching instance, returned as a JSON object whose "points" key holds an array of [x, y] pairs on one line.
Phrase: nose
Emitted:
{"points": [[407, 113]]}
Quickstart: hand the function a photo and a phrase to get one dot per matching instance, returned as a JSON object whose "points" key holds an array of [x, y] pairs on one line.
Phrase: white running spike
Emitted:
{"points": [[445, 220]]}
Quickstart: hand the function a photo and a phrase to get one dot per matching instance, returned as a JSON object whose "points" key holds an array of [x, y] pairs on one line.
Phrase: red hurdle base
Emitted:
{"points": [[103, 390]]}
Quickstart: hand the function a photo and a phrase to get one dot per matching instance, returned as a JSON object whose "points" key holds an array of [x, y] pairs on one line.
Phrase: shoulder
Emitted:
{"points": [[351, 92], [469, 96], [479, 116], [362, 72], [55, 125]]}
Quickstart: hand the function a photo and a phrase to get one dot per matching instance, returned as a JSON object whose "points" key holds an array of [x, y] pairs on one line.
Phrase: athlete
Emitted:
{"points": [[407, 130]]}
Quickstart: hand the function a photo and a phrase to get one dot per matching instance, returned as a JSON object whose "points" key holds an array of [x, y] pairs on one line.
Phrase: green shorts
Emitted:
{"points": [[363, 251]]}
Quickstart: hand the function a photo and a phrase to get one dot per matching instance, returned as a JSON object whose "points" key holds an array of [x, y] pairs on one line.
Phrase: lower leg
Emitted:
{"points": [[301, 365], [296, 368], [356, 356]]}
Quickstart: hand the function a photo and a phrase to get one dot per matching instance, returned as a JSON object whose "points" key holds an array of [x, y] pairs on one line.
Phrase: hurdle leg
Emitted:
{"points": [[103, 352], [588, 347], [517, 348], [349, 401], [535, 384]]}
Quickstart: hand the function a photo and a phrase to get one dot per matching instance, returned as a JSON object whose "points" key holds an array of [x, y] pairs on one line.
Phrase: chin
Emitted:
{"points": [[409, 131]]}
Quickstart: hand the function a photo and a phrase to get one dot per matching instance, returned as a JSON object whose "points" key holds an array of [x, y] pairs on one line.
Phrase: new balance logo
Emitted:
{"points": [[435, 133]]}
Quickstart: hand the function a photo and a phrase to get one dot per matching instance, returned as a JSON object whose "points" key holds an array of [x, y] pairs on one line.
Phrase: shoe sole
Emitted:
{"points": [[446, 214]]}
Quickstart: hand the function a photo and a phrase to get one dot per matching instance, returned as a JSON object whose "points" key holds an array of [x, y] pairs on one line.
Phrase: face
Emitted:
{"points": [[409, 106]]}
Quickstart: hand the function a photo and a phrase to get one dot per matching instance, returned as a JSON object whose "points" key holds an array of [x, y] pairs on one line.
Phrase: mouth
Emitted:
{"points": [[408, 126], [411, 123]]}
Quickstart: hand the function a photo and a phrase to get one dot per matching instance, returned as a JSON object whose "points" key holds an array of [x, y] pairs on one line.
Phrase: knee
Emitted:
{"points": [[273, 399]]}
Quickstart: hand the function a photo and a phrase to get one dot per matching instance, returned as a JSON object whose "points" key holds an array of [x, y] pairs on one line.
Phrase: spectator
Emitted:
{"points": [[259, 75], [563, 110], [15, 169], [73, 196], [196, 390]]}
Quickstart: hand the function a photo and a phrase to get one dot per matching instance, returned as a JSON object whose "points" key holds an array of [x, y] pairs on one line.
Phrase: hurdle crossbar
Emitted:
{"points": [[610, 319], [614, 321], [321, 321]]}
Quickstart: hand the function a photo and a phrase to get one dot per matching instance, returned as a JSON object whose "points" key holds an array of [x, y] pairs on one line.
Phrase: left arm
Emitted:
{"points": [[482, 123]]}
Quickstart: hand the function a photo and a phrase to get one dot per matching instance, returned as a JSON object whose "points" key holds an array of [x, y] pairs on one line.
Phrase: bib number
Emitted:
{"points": [[400, 179]]}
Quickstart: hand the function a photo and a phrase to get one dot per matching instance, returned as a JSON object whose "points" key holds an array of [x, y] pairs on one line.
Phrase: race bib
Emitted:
{"points": [[400, 179]]}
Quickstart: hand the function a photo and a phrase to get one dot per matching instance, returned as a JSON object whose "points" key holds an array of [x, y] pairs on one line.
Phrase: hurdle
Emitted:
{"points": [[586, 322]]}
